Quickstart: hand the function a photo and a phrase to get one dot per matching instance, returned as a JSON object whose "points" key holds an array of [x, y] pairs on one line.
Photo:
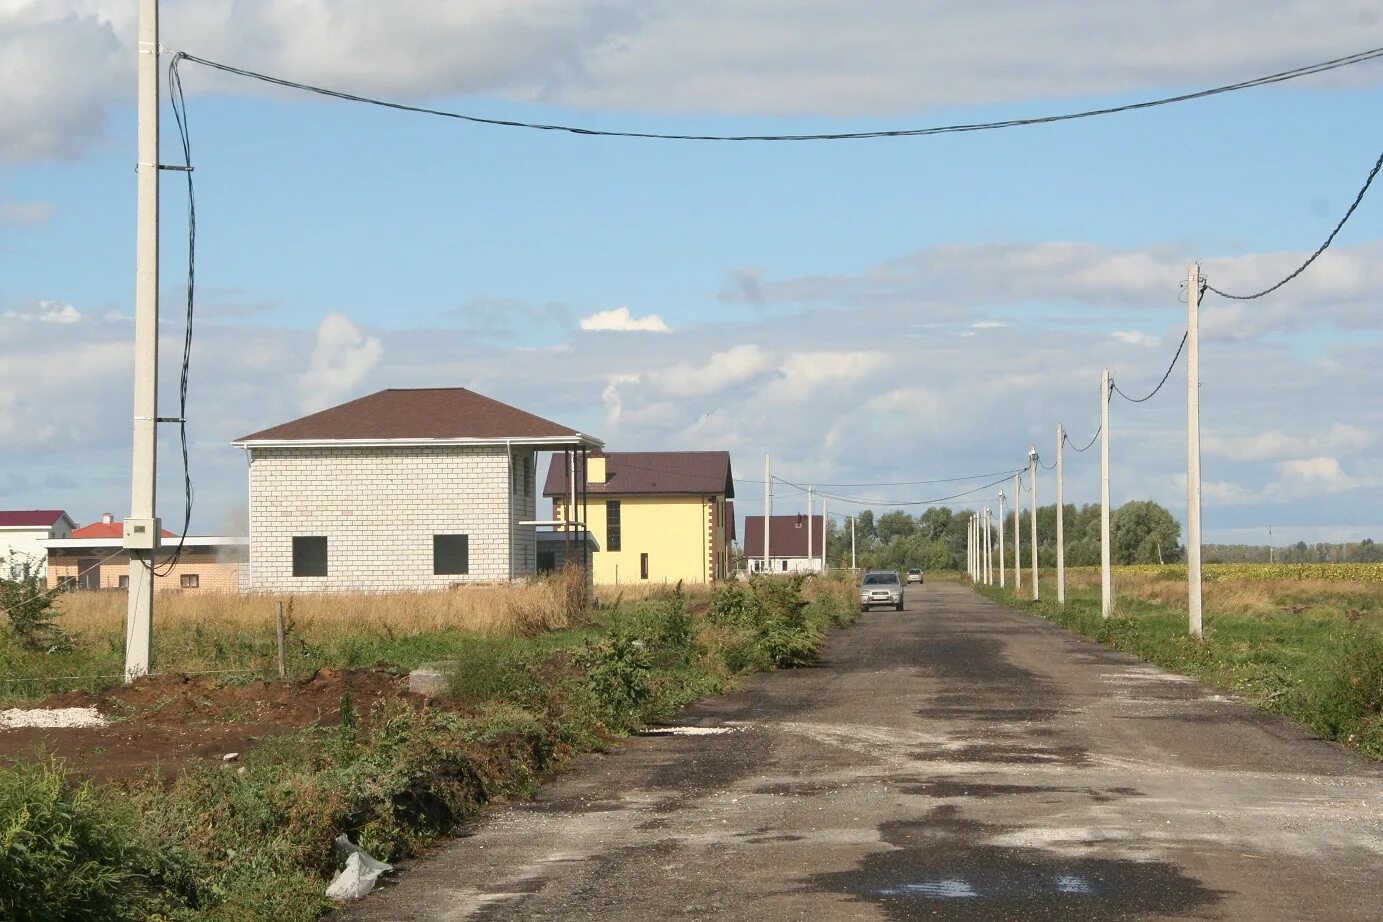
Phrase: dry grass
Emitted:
{"points": [[544, 604], [643, 591], [1234, 597]]}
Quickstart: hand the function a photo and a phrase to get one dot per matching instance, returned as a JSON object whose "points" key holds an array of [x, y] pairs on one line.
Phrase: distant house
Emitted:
{"points": [[93, 557], [787, 543], [658, 516], [21, 530], [404, 489]]}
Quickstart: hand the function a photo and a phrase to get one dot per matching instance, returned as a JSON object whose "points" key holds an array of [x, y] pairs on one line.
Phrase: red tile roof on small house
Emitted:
{"points": [[30, 518], [108, 527], [627, 473], [788, 537], [448, 414]]}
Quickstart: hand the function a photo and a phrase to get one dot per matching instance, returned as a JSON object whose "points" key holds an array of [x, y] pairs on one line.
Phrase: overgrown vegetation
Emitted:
{"points": [[1311, 650], [30, 612], [257, 842]]}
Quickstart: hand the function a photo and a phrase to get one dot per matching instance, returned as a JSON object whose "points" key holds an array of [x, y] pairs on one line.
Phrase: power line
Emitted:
{"points": [[1319, 250], [860, 501], [179, 106], [1279, 77], [1098, 430], [1115, 387]]}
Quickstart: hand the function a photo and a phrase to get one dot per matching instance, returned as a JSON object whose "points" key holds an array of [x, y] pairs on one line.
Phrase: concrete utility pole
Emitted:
{"points": [[810, 555], [1032, 477], [1193, 448], [1060, 515], [825, 533], [988, 546], [141, 529], [852, 545], [970, 547], [1002, 565], [768, 506], [1017, 535], [1106, 580]]}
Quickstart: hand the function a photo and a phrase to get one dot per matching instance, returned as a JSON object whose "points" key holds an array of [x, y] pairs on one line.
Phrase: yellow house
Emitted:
{"points": [[657, 516]]}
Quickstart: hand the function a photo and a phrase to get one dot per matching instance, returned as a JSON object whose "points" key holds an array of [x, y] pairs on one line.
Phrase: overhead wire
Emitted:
{"points": [[1266, 80], [1098, 430], [179, 106], [1378, 164], [860, 501], [1115, 387]]}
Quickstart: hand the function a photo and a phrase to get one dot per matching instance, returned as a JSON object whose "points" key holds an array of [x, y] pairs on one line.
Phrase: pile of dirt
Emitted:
{"points": [[165, 723]]}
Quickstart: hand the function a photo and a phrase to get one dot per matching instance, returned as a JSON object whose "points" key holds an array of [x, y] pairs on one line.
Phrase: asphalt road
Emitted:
{"points": [[956, 760]]}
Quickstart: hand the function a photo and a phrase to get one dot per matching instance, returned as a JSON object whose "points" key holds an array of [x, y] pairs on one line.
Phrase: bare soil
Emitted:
{"points": [[164, 724]]}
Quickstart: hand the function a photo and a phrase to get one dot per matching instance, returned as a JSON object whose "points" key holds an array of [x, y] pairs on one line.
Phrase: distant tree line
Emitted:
{"points": [[1366, 551], [1140, 532]]}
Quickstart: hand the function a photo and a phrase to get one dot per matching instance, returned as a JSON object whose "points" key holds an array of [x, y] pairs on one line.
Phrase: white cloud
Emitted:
{"points": [[57, 312], [1274, 444], [342, 358], [1135, 338], [779, 57], [721, 370], [25, 214], [620, 320]]}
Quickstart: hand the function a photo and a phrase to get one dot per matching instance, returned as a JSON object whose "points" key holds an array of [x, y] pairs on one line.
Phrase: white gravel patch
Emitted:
{"points": [[688, 731], [51, 718]]}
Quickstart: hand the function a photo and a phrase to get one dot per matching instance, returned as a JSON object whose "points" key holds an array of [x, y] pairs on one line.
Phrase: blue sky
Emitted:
{"points": [[868, 311]]}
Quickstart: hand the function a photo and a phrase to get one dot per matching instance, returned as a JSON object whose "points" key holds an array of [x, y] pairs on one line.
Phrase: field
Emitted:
{"points": [[1304, 641], [218, 796]]}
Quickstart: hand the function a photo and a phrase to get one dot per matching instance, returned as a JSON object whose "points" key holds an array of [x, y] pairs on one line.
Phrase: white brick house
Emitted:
{"points": [[401, 490]]}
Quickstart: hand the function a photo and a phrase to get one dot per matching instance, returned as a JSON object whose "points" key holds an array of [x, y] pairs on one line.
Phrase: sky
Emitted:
{"points": [[867, 311]]}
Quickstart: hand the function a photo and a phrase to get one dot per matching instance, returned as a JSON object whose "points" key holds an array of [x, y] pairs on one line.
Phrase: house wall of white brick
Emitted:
{"points": [[379, 508]]}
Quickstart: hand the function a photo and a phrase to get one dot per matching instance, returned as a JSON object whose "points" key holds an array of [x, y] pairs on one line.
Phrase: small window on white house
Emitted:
{"points": [[189, 581], [310, 555], [123, 582], [451, 555]]}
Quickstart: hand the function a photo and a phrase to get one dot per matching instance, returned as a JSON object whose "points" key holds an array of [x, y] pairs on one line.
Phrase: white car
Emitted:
{"points": [[914, 575]]}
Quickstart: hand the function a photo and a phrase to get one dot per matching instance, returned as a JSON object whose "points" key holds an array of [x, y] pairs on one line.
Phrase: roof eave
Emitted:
{"points": [[576, 440]]}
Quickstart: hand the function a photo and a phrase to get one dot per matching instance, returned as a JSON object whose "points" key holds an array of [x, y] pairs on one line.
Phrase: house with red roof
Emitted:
{"points": [[657, 516], [21, 530], [404, 489], [93, 557]]}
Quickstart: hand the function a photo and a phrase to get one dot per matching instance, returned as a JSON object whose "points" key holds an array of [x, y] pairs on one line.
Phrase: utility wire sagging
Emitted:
{"points": [[1319, 250], [861, 501], [1279, 77], [1150, 396]]}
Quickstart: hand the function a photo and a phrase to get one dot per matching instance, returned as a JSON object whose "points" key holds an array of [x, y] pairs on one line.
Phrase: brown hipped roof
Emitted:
{"points": [[443, 413], [651, 472], [788, 537]]}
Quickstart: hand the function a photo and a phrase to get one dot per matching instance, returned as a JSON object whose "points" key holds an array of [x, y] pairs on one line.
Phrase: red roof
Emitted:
{"points": [[30, 518], [651, 472], [109, 530], [788, 537], [418, 413]]}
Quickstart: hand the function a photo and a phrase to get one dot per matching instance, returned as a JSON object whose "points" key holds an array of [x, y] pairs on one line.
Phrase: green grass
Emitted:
{"points": [[1317, 667], [226, 844]]}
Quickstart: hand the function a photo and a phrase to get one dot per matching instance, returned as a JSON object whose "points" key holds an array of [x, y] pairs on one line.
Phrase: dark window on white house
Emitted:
{"points": [[123, 582], [643, 566], [189, 581], [451, 555], [612, 527], [310, 555]]}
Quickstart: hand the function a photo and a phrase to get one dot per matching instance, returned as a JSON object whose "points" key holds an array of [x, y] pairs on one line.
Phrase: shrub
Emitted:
{"points": [[68, 853], [617, 674], [29, 606]]}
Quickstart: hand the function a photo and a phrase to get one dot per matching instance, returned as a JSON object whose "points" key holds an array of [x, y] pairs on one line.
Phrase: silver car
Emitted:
{"points": [[881, 587]]}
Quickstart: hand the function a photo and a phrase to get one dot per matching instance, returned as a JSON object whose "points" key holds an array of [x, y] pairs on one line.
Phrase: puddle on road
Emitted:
{"points": [[941, 867]]}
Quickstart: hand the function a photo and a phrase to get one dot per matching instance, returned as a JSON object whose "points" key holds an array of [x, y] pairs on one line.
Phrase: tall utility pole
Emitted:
{"points": [[768, 507], [1017, 535], [810, 555], [825, 533], [988, 546], [1193, 448], [141, 529], [852, 545], [1060, 515], [1106, 580], [970, 547], [1002, 564], [1032, 483]]}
